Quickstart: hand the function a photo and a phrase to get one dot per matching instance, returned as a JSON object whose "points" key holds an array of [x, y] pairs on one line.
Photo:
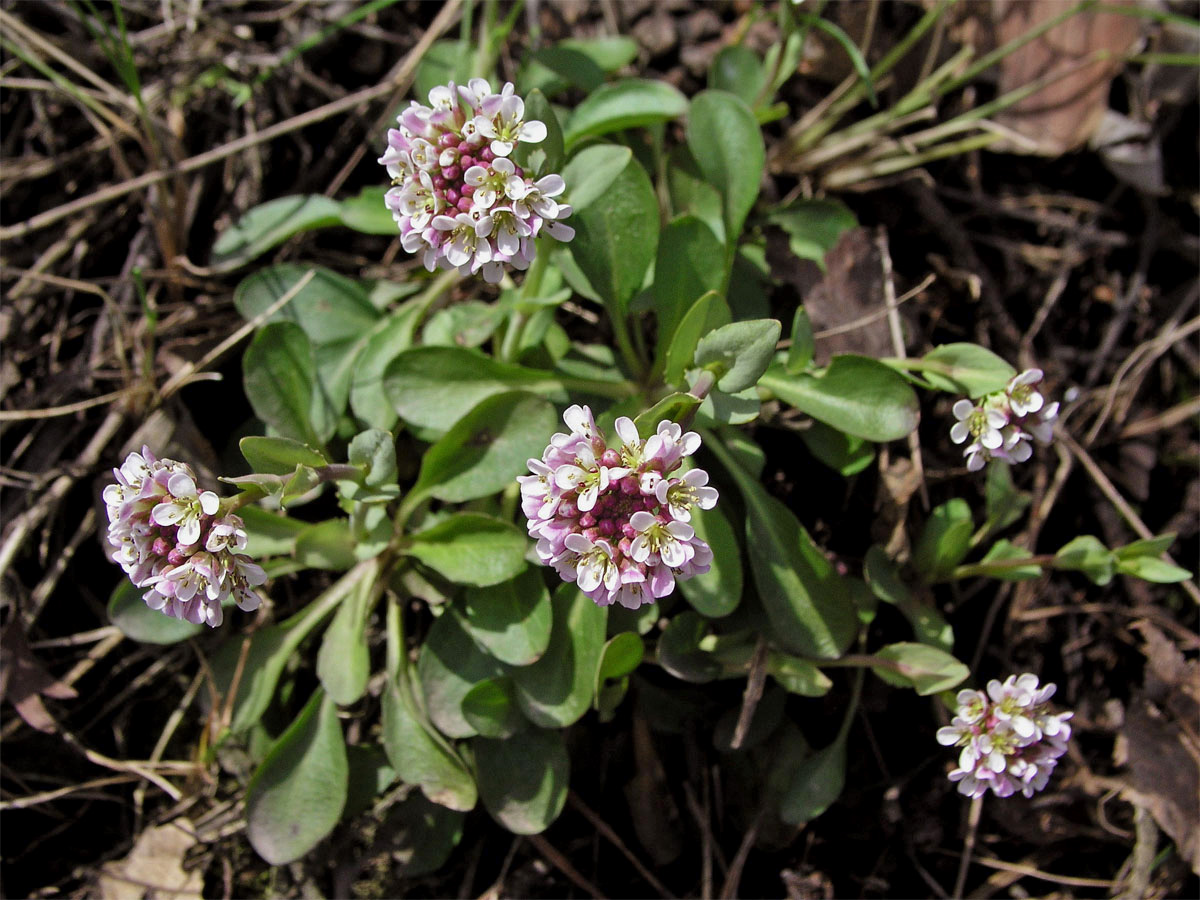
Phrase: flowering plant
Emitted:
{"points": [[407, 480]]}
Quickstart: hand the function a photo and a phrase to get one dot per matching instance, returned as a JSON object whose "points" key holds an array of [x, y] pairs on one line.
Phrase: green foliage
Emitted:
{"points": [[629, 103], [616, 222], [855, 394], [296, 795], [436, 401]]}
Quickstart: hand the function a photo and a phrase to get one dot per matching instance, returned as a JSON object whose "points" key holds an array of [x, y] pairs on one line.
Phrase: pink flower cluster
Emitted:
{"points": [[457, 197], [1010, 740], [170, 537], [614, 519], [1002, 424]]}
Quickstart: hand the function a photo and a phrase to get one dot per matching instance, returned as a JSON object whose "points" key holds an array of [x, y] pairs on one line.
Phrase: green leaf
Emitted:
{"points": [[691, 194], [511, 620], [269, 534], [326, 545], [129, 612], [343, 662], [966, 368], [707, 314], [278, 456], [737, 70], [854, 394], [807, 604], [374, 451], [944, 540], [673, 407], [679, 651], [551, 148], [725, 140], [690, 263], [330, 308], [490, 707], [523, 782], [1088, 555], [720, 408], [816, 784], [278, 373], [554, 69], [434, 387], [449, 666], [616, 222], [1004, 503], [557, 689], [447, 60], [1148, 568], [470, 548], [367, 213], [296, 796], [844, 453], [1003, 551], [482, 452], [387, 340], [739, 353], [927, 623], [1155, 546], [629, 103], [335, 371], [800, 354], [797, 676], [921, 666], [813, 227], [269, 225], [619, 658], [468, 324], [424, 834], [420, 759], [718, 591]]}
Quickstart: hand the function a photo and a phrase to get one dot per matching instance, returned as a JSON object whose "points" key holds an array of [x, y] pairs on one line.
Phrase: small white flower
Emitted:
{"points": [[1022, 397], [185, 508]]}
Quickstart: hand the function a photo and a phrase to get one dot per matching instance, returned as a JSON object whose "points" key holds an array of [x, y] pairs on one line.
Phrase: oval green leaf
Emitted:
{"points": [[269, 225], [557, 689], [278, 372], [616, 222], [434, 387], [481, 452], [629, 103], [727, 144], [296, 796], [855, 394], [511, 620], [718, 591], [523, 781], [449, 666], [471, 548]]}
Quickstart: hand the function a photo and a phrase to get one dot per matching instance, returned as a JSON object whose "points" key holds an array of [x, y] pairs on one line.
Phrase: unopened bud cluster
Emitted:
{"points": [[458, 198], [615, 519], [170, 537], [1010, 739], [1003, 424]]}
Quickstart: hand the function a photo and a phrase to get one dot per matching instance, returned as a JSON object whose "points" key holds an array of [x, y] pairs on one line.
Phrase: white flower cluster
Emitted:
{"points": [[1003, 424], [458, 198], [169, 537], [614, 519], [1010, 740]]}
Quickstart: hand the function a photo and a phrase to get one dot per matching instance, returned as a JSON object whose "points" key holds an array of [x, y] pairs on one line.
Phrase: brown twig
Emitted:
{"points": [[561, 863], [606, 831]]}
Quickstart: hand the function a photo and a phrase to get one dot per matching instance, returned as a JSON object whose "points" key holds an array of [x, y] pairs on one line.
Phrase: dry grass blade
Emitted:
{"points": [[444, 20]]}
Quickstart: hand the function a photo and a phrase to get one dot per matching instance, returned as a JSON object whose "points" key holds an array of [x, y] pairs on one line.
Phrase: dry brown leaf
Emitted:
{"points": [[1062, 116], [1161, 741], [153, 870], [23, 679]]}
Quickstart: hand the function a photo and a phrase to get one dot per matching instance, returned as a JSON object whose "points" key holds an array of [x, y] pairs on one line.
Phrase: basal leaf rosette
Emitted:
{"points": [[615, 520]]}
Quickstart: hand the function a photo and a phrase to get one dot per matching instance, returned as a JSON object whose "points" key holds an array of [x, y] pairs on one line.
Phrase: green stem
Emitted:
{"points": [[997, 566], [633, 362]]}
